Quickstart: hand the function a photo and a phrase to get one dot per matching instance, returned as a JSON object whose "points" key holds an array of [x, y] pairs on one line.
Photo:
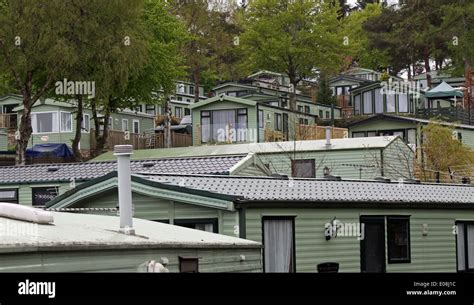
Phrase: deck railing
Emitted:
{"points": [[8, 120], [142, 140], [448, 113]]}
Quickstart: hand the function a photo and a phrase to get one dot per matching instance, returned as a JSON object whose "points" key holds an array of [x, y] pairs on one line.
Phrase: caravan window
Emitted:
{"points": [[45, 122]]}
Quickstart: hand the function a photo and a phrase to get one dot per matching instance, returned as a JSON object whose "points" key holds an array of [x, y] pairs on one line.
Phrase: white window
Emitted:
{"points": [[111, 123], [45, 122], [368, 102], [124, 124], [357, 104], [178, 112], [391, 102], [66, 122], [181, 88], [465, 246], [86, 123], [136, 126], [402, 102], [378, 101]]}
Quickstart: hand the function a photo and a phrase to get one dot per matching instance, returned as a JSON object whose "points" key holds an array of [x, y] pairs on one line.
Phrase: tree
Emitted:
{"points": [[297, 38], [325, 95], [209, 51], [410, 33], [145, 41], [35, 47], [442, 152], [360, 50]]}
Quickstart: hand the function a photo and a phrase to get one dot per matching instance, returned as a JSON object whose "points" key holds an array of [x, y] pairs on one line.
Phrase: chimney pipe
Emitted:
{"points": [[123, 153], [328, 136]]}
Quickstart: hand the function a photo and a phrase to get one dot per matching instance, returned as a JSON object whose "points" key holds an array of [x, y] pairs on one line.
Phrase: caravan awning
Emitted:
{"points": [[443, 90]]}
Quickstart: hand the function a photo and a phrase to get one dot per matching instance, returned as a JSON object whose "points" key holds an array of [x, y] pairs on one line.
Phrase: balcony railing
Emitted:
{"points": [[8, 120], [143, 140], [448, 114]]}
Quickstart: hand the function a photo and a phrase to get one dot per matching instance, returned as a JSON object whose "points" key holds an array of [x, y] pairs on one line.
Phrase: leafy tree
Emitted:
{"points": [[151, 61], [35, 47], [325, 95], [360, 50], [297, 38], [442, 152]]}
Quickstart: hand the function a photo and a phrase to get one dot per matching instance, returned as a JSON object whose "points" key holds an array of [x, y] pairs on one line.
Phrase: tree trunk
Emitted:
{"points": [[167, 131], [78, 133], [293, 95], [25, 130], [100, 137], [427, 67], [196, 76]]}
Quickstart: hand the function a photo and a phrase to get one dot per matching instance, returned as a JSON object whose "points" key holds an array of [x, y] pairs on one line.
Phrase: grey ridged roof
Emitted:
{"points": [[314, 190], [91, 170]]}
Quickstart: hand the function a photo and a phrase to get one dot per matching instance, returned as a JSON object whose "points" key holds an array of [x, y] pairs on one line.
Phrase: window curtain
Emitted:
{"points": [[368, 102], [34, 123], [222, 122], [402, 102], [242, 128], [205, 129], [66, 121], [460, 247], [356, 104], [470, 246], [278, 239], [378, 101], [208, 227], [390, 102]]}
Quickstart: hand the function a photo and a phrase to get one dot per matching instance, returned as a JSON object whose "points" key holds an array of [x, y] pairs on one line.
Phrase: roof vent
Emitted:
{"points": [[148, 164], [332, 178], [382, 179], [53, 169]]}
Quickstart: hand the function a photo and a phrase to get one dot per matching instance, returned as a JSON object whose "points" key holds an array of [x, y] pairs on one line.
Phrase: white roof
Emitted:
{"points": [[72, 231]]}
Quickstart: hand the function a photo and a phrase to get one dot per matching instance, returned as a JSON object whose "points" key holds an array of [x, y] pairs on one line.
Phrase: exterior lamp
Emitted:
{"points": [[326, 171]]}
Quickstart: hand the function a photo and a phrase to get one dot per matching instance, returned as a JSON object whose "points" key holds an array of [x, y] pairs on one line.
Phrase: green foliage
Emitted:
{"points": [[358, 38], [292, 37], [442, 151], [325, 95]]}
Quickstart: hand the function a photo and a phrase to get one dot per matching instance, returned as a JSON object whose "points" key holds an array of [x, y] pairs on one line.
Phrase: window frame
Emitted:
{"points": [[194, 221], [390, 259], [261, 119], [84, 120], [313, 167], [61, 121], [124, 130], [52, 122], [278, 122], [34, 189], [465, 223], [133, 126], [14, 200], [180, 112]]}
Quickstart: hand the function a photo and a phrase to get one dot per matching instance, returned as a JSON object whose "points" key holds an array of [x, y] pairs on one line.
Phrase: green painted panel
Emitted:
{"points": [[132, 260], [398, 160], [435, 252], [381, 125], [344, 163]]}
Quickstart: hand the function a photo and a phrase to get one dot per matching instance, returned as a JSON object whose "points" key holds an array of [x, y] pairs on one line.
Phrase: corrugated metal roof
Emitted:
{"points": [[321, 190], [96, 231], [267, 147], [90, 170]]}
